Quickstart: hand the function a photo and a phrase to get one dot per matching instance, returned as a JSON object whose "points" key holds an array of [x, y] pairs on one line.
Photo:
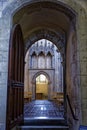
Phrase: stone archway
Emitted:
{"points": [[7, 15], [57, 38], [50, 83], [53, 25], [41, 90]]}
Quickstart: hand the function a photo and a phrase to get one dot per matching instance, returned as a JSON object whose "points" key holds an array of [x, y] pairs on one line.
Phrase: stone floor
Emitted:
{"points": [[43, 115], [43, 109]]}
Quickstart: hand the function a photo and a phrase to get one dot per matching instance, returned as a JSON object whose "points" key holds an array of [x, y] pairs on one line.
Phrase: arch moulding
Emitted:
{"points": [[16, 5], [37, 74], [50, 83]]}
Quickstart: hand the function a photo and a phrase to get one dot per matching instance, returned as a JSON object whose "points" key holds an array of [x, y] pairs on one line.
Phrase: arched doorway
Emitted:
{"points": [[52, 29], [41, 57], [41, 87]]}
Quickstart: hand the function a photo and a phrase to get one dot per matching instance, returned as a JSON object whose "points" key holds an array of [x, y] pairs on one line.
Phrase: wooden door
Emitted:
{"points": [[15, 95]]}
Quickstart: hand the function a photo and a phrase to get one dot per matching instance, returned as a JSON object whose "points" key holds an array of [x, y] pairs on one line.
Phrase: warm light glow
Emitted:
{"points": [[41, 79]]}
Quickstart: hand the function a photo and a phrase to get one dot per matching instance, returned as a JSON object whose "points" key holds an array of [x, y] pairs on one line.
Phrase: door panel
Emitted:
{"points": [[15, 95]]}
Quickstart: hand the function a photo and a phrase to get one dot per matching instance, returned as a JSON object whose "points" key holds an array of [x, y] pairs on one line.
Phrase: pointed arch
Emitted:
{"points": [[39, 73]]}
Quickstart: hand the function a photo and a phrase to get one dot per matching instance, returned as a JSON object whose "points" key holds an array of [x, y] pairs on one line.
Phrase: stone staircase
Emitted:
{"points": [[43, 124], [43, 115]]}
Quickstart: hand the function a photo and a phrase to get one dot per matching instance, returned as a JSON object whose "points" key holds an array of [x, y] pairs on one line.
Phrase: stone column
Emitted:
{"points": [[45, 61], [26, 78], [62, 77], [53, 61], [37, 62], [49, 91], [4, 50], [30, 62], [33, 90]]}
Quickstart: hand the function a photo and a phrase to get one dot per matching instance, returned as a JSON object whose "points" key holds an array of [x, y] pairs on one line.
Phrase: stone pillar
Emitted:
{"points": [[62, 84], [33, 91], [4, 49], [82, 27], [37, 62], [53, 61], [60, 76], [49, 91], [72, 72], [26, 78], [30, 62], [45, 61]]}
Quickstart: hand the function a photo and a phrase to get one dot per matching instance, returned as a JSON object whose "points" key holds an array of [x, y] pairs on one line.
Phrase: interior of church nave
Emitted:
{"points": [[43, 63], [44, 85], [43, 73]]}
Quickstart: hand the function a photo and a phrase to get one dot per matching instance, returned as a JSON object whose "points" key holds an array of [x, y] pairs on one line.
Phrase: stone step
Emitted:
{"points": [[43, 128], [44, 122]]}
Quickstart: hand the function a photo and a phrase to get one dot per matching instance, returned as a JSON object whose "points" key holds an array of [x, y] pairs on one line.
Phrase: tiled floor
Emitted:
{"points": [[43, 109]]}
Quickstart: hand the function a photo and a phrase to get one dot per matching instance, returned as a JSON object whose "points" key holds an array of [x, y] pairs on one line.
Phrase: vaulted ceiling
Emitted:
{"points": [[42, 15]]}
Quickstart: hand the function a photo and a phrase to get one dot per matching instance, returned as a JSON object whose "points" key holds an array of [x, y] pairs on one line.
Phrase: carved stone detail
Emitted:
{"points": [[57, 38]]}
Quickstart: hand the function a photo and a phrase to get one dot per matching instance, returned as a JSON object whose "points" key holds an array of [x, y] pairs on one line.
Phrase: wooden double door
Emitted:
{"points": [[15, 94]]}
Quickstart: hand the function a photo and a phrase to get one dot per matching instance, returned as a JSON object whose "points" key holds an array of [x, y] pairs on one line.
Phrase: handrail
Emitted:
{"points": [[73, 115]]}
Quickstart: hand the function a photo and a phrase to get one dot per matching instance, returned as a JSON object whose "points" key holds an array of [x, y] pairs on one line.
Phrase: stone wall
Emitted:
{"points": [[4, 45], [80, 6], [81, 30], [54, 62], [42, 88], [26, 73], [34, 73], [73, 89]]}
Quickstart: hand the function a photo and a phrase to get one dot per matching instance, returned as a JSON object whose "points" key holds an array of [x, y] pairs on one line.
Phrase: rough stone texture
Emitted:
{"points": [[80, 6], [44, 46], [26, 74], [3, 77], [72, 78], [3, 90], [2, 126], [4, 45], [49, 73]]}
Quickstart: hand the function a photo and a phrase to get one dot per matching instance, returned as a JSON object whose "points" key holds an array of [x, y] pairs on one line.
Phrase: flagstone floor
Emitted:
{"points": [[44, 109]]}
